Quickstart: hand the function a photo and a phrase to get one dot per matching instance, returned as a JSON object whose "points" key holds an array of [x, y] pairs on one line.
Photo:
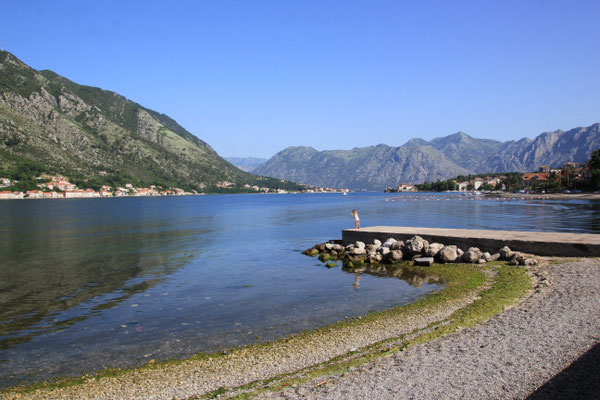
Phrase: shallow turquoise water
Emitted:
{"points": [[93, 283]]}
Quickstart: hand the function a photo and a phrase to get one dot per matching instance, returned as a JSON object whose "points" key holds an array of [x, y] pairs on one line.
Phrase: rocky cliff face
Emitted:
{"points": [[549, 148], [417, 161], [81, 130], [466, 151]]}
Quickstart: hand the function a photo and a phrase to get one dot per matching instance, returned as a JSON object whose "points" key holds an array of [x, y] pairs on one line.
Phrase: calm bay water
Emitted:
{"points": [[93, 283]]}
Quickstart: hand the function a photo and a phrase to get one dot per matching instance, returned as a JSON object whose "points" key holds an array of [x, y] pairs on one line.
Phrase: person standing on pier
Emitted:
{"points": [[356, 219]]}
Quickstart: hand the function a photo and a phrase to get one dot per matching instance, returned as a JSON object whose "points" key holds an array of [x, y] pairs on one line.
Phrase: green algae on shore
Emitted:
{"points": [[493, 290], [508, 284]]}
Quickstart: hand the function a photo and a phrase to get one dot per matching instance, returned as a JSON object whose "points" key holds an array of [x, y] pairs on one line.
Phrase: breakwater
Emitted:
{"points": [[539, 243]]}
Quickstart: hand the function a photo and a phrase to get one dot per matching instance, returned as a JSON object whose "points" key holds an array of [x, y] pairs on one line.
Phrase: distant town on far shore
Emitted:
{"points": [[59, 187]]}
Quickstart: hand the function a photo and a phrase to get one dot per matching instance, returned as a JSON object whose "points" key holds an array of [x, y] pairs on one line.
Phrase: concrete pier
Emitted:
{"points": [[539, 243]]}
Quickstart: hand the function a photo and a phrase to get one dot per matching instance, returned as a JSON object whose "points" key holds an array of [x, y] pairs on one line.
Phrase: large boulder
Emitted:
{"points": [[377, 243], [383, 250], [505, 253], [371, 249], [358, 251], [434, 248], [447, 254], [398, 245], [472, 255], [394, 256], [388, 243], [416, 245], [360, 245]]}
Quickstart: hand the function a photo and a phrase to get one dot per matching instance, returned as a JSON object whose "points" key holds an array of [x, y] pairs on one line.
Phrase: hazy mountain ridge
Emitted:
{"points": [[82, 130], [247, 164], [370, 167], [377, 167]]}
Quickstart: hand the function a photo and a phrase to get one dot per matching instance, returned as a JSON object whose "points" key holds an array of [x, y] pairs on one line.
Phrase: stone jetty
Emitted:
{"points": [[560, 244]]}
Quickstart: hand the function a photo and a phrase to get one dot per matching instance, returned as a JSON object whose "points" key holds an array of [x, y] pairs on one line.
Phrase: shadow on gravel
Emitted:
{"points": [[581, 380]]}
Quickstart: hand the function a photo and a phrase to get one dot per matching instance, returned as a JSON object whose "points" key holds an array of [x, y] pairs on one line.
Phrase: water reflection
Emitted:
{"points": [[47, 273], [593, 220], [415, 278], [127, 279]]}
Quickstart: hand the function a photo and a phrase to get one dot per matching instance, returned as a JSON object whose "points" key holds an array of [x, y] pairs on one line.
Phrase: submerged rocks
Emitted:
{"points": [[313, 252]]}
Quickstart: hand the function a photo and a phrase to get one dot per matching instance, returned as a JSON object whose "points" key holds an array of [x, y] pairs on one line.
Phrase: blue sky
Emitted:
{"points": [[253, 77]]}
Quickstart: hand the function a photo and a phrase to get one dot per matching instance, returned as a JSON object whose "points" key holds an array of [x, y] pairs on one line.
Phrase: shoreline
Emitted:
{"points": [[547, 196], [162, 196], [339, 361], [364, 337], [545, 347]]}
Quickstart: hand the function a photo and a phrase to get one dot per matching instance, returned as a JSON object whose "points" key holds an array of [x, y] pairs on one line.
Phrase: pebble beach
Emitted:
{"points": [[528, 351], [512, 355]]}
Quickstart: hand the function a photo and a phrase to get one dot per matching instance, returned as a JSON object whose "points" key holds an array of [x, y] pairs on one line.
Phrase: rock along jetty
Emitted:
{"points": [[415, 249]]}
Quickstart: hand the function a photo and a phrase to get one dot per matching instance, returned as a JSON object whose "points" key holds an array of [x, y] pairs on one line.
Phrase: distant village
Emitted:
{"points": [[571, 177], [307, 188], [59, 187]]}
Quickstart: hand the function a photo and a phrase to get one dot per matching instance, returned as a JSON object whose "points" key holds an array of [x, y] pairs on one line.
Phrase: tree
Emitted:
{"points": [[553, 183], [594, 165], [569, 174], [513, 181]]}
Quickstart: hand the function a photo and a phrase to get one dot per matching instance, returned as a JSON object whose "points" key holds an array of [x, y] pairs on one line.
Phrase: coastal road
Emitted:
{"points": [[548, 347]]}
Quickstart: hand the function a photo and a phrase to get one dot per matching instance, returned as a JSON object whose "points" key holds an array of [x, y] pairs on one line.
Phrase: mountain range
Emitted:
{"points": [[418, 160], [86, 132]]}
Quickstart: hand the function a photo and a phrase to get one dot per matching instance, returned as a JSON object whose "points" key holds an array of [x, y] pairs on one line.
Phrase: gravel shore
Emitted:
{"points": [[509, 356], [514, 355], [195, 377]]}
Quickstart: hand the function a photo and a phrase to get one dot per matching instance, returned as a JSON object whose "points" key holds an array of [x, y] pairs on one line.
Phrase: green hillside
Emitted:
{"points": [[57, 125]]}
